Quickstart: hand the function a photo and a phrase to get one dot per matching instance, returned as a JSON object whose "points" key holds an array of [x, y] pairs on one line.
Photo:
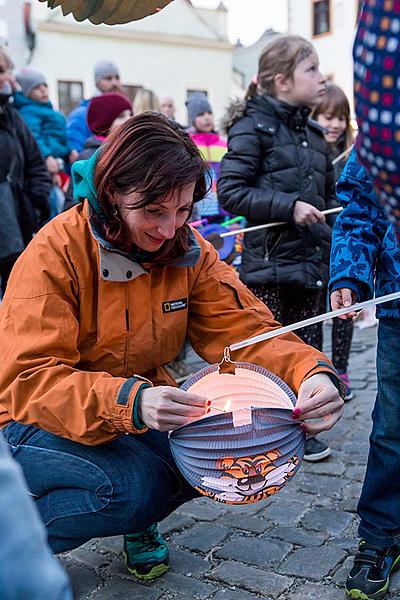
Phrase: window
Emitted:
{"points": [[191, 92], [131, 91], [321, 17], [70, 93]]}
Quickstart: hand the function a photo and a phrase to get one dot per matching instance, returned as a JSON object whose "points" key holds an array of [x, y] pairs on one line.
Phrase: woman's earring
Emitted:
{"points": [[115, 210]]}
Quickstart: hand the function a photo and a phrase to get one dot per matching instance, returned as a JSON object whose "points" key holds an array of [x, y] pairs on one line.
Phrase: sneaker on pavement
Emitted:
{"points": [[316, 450], [146, 554], [349, 392], [369, 577]]}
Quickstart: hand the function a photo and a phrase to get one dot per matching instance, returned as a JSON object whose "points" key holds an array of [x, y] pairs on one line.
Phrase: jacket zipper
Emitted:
{"points": [[127, 325]]}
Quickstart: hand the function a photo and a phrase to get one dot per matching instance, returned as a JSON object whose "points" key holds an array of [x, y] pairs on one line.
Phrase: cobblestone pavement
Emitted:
{"points": [[295, 546]]}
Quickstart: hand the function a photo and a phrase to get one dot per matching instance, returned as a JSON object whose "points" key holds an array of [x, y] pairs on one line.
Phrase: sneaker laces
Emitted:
{"points": [[146, 538], [370, 555]]}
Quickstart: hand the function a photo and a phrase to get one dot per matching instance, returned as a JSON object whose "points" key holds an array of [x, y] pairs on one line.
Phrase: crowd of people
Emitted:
{"points": [[85, 406]]}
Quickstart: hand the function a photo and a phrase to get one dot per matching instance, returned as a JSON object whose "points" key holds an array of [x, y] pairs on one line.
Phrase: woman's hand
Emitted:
{"points": [[318, 399], [307, 214], [343, 298], [165, 408]]}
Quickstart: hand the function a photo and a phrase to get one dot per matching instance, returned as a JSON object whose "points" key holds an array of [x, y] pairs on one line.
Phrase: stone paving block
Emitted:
{"points": [[356, 472], [83, 581], [341, 574], [331, 466], [253, 524], [183, 562], [284, 511], [334, 522], [229, 594], [395, 585], [209, 512], [349, 543], [175, 522], [320, 484], [292, 493], [173, 582], [299, 537], [316, 592], [251, 578], [202, 537], [255, 551], [248, 509], [122, 590], [301, 564], [89, 558], [111, 544], [358, 385]]}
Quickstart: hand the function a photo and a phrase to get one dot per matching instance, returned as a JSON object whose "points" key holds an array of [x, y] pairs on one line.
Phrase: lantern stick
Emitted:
{"points": [[330, 211], [317, 319]]}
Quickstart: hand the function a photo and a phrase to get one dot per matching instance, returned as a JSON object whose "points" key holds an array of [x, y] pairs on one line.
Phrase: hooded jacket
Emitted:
{"points": [[77, 127], [82, 323], [48, 126], [276, 156], [365, 254]]}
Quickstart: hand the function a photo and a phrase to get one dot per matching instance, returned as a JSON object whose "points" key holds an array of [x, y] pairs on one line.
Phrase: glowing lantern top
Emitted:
{"points": [[110, 12]]}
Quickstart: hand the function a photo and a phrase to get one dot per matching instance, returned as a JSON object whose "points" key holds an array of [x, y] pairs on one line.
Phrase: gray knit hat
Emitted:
{"points": [[29, 78], [104, 68], [197, 104]]}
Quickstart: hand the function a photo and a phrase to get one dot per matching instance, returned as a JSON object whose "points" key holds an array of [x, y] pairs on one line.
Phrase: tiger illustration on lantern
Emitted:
{"points": [[249, 479]]}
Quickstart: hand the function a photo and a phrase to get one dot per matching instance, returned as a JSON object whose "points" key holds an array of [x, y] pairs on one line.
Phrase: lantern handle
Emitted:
{"points": [[226, 361]]}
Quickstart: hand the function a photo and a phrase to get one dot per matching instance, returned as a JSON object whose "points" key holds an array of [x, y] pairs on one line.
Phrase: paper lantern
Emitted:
{"points": [[110, 12], [249, 445]]}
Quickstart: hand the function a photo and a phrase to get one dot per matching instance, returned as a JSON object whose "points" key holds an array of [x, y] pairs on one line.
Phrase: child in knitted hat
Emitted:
{"points": [[105, 113], [212, 147], [48, 126]]}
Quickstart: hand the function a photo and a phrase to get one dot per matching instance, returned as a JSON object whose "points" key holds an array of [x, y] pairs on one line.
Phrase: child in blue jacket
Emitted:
{"points": [[48, 126], [365, 261]]}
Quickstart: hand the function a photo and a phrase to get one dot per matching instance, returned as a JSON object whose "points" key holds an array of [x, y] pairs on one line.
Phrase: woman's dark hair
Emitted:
{"points": [[153, 156], [335, 102]]}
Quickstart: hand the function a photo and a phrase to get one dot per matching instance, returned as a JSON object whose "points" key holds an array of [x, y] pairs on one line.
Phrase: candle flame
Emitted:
{"points": [[228, 404]]}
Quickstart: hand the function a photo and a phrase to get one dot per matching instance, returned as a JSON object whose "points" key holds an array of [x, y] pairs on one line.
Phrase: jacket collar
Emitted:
{"points": [[295, 117], [116, 265]]}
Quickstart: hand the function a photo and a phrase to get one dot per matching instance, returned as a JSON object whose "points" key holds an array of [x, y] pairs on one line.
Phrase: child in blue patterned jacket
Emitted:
{"points": [[365, 260]]}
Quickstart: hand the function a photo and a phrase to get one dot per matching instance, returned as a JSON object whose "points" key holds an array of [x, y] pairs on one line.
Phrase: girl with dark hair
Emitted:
{"points": [[99, 303], [278, 168]]}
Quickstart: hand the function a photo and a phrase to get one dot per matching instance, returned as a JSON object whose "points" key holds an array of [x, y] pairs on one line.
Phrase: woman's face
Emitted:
{"points": [[152, 225], [334, 124]]}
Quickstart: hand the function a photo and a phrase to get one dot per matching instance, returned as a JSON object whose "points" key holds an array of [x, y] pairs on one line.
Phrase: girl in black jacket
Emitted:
{"points": [[278, 168]]}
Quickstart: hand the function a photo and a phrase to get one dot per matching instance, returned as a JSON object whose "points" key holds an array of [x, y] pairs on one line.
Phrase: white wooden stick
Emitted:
{"points": [[330, 211], [313, 320], [342, 155]]}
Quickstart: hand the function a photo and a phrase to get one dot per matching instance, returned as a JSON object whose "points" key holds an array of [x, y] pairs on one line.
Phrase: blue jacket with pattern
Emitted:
{"points": [[365, 256]]}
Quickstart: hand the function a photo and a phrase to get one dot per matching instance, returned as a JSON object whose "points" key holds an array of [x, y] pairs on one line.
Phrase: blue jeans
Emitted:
{"points": [[84, 492], [379, 505], [27, 567]]}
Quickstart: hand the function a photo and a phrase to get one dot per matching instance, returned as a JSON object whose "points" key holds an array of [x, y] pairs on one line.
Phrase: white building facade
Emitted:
{"points": [[330, 26], [175, 52]]}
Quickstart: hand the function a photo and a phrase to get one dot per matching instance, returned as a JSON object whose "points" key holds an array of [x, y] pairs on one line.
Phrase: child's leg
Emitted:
{"points": [[272, 297], [302, 303], [379, 503], [342, 334]]}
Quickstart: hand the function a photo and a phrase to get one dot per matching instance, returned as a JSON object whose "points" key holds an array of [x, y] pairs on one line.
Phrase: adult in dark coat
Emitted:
{"points": [[30, 180]]}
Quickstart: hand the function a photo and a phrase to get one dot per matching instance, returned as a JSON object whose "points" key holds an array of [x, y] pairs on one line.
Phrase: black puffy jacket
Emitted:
{"points": [[275, 157], [30, 181]]}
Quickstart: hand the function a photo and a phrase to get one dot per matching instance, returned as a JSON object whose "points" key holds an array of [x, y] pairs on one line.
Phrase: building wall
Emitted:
{"points": [[335, 48], [169, 53]]}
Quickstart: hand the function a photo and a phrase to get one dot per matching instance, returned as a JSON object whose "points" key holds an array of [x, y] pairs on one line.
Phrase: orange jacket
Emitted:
{"points": [[78, 321]]}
